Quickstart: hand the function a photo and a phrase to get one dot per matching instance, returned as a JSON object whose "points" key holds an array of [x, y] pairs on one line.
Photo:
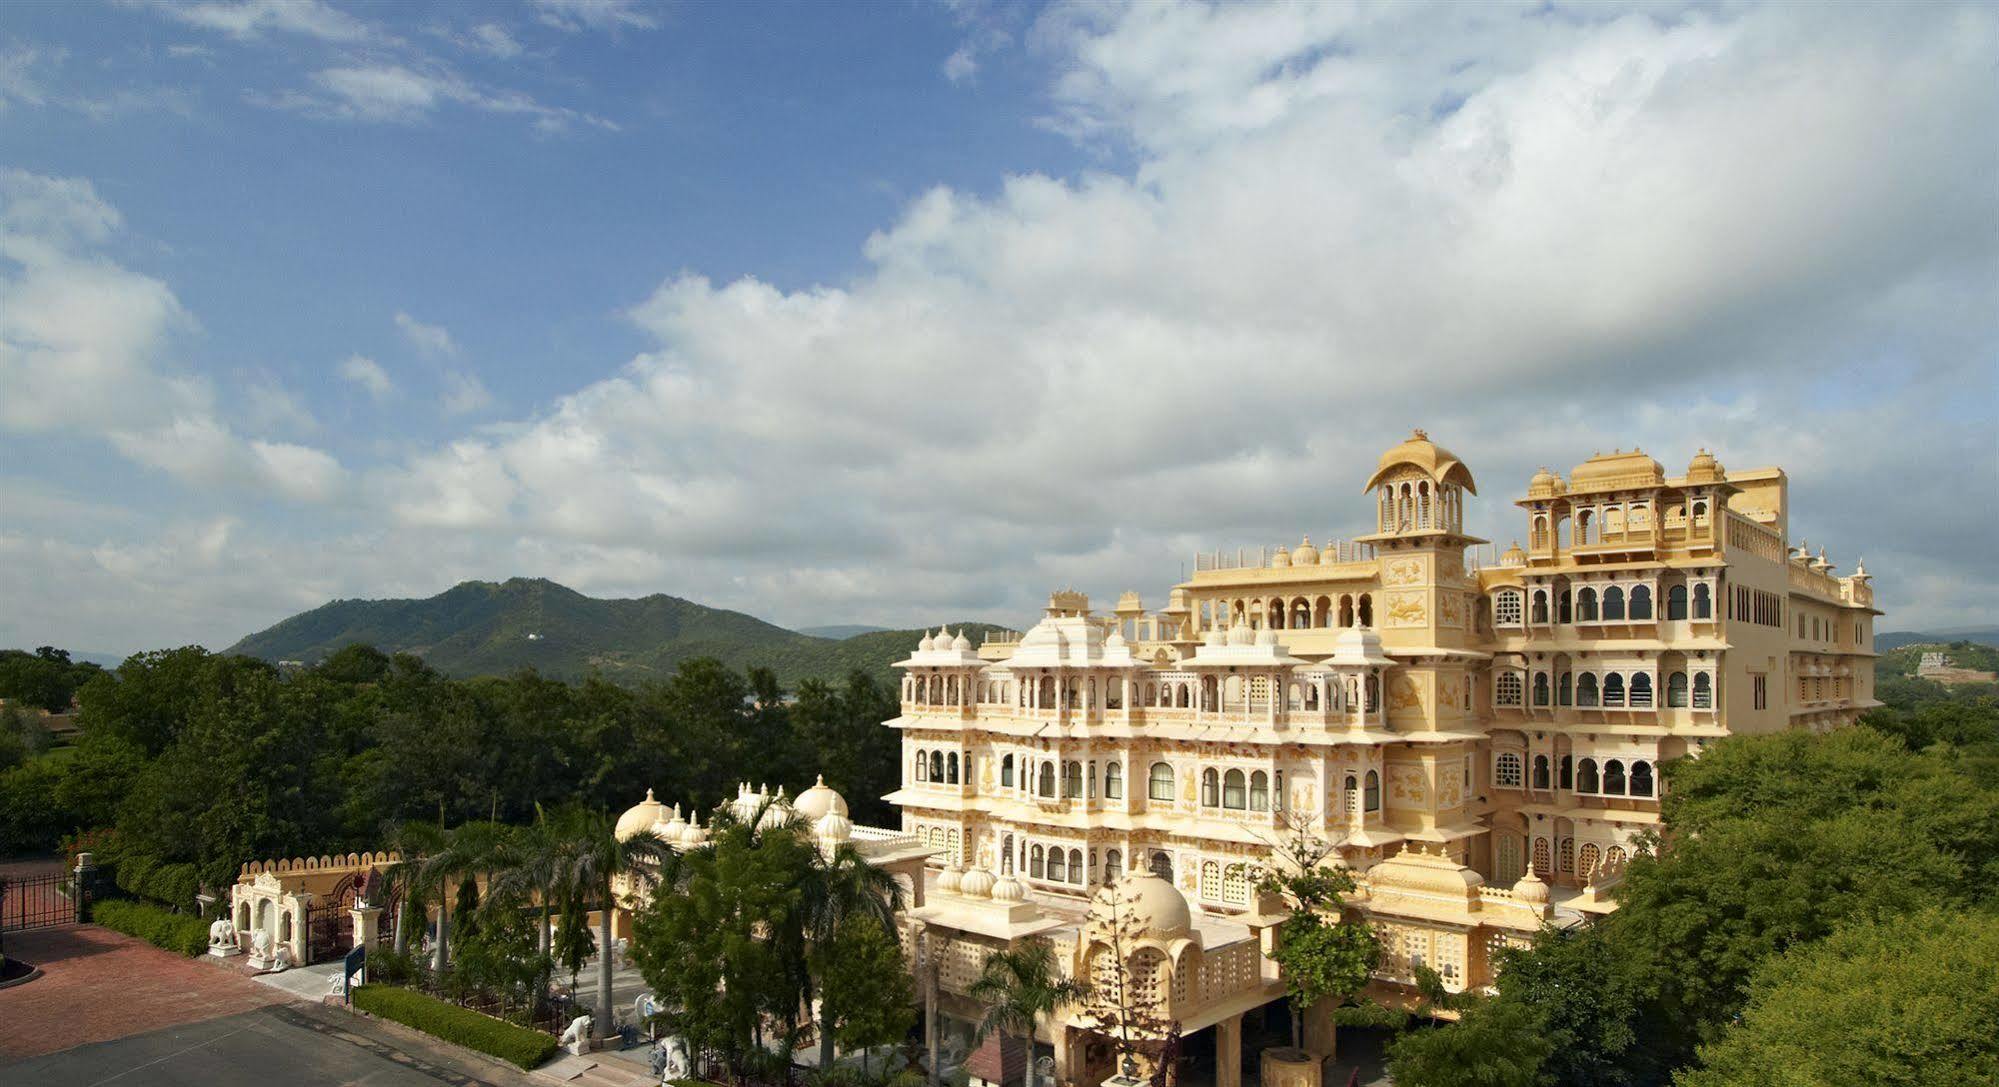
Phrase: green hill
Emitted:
{"points": [[484, 628]]}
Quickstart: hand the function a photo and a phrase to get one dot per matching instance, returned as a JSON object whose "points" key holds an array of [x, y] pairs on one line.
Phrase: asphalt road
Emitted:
{"points": [[299, 1046]]}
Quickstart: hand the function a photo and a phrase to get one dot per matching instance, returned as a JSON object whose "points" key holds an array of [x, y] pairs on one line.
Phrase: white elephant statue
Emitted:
{"points": [[222, 938], [576, 1037]]}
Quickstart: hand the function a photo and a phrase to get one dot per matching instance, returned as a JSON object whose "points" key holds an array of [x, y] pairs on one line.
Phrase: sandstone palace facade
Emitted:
{"points": [[1481, 743]]}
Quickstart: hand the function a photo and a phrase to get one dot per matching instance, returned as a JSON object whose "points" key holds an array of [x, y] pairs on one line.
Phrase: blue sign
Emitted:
{"points": [[353, 971]]}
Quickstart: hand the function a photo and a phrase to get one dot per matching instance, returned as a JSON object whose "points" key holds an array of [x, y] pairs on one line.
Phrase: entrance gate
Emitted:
{"points": [[42, 901]]}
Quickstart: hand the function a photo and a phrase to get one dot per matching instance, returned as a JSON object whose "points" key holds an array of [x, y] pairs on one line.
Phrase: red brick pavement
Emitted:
{"points": [[97, 985]]}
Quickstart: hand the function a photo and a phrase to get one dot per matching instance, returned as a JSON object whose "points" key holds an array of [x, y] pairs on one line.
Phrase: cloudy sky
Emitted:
{"points": [[900, 313]]}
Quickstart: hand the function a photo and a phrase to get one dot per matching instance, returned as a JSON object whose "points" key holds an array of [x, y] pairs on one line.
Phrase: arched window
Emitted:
{"points": [[1586, 605], [1072, 780], [1544, 858], [1162, 865], [1076, 872], [1586, 689], [1506, 689], [1541, 772], [1113, 866], [937, 766], [1506, 858], [1058, 866], [1541, 695], [1232, 790], [1563, 691], [1613, 777], [1703, 691], [1373, 798], [1641, 602], [1703, 605], [1506, 771], [1259, 791], [1586, 777], [1613, 603], [922, 766], [1641, 690], [1568, 766], [951, 768], [1539, 611], [1613, 689], [1353, 795], [1641, 779], [1211, 788], [1566, 855], [1563, 612], [1006, 772], [1506, 608], [1047, 782], [1006, 855], [1589, 860], [1676, 603], [1676, 689], [1037, 863], [1367, 609], [1159, 785]]}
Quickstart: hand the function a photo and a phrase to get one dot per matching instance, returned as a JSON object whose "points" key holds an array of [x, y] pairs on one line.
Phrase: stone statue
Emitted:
{"points": [[676, 1066], [222, 938], [260, 949], [283, 959], [576, 1037]]}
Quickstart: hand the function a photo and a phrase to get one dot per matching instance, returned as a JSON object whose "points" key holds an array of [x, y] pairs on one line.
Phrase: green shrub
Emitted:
{"points": [[180, 932], [169, 884], [463, 1026]]}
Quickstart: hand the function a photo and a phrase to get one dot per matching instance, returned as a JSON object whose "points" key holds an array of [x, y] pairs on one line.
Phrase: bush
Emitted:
{"points": [[462, 1026], [172, 931], [168, 884]]}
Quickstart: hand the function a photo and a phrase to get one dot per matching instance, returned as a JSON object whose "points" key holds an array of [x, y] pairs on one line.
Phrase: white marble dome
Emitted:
{"points": [[819, 801], [977, 883], [1146, 902], [640, 817]]}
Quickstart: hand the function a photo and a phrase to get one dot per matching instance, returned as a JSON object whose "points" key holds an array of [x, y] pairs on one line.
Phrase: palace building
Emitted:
{"points": [[1479, 742]]}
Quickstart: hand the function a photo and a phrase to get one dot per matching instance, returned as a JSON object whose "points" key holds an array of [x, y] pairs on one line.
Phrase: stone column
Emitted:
{"points": [[1228, 1052], [367, 924], [298, 905]]}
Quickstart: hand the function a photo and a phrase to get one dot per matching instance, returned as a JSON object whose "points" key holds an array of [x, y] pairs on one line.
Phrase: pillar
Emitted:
{"points": [[1228, 1052], [367, 925], [297, 905]]}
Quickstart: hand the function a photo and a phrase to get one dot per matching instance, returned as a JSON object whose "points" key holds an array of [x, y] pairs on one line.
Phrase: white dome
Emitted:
{"points": [[1008, 889], [927, 644], [1282, 558], [1531, 889], [775, 814], [949, 880], [961, 643], [833, 827], [640, 817], [678, 823], [694, 835], [1148, 903], [1306, 555], [820, 800], [977, 883], [1242, 634]]}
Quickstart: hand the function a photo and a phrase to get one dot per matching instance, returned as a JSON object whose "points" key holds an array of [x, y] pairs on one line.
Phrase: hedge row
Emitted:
{"points": [[172, 931], [145, 877], [463, 1026]]}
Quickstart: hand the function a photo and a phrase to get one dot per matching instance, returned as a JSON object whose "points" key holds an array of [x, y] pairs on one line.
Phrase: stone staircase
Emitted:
{"points": [[589, 1071]]}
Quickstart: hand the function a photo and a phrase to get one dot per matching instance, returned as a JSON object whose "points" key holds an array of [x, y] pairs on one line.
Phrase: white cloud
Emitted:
{"points": [[962, 65], [432, 340], [493, 40], [84, 346], [19, 83], [368, 374], [247, 19], [575, 15], [464, 393]]}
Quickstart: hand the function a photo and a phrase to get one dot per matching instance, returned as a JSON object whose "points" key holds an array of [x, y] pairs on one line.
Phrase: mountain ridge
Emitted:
{"points": [[494, 628]]}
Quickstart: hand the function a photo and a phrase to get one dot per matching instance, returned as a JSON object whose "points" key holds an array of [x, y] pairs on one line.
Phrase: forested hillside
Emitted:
{"points": [[483, 628]]}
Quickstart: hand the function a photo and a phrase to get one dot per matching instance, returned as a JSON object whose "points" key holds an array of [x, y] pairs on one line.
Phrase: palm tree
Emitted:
{"points": [[529, 867], [413, 842], [592, 858], [1017, 987], [463, 853], [842, 884]]}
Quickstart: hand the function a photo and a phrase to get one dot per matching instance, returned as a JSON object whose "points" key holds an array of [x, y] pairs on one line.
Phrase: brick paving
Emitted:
{"points": [[97, 985]]}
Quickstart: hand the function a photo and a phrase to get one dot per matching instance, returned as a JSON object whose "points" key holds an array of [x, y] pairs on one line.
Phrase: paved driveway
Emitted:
{"points": [[294, 1045], [97, 985]]}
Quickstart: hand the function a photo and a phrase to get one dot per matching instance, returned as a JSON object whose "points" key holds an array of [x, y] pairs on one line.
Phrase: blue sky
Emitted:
{"points": [[907, 312]]}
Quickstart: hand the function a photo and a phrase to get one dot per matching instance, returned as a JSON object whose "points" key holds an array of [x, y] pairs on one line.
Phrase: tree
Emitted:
{"points": [[1589, 993], [1324, 955], [864, 980], [1016, 987], [596, 858], [1903, 1002], [842, 888], [1494, 1044], [1111, 1002]]}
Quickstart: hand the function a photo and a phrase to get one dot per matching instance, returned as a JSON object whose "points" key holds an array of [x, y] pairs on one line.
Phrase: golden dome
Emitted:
{"points": [[1617, 470], [1436, 462], [640, 817], [1282, 558], [1545, 484], [1306, 555], [1146, 902], [1513, 556], [1704, 468]]}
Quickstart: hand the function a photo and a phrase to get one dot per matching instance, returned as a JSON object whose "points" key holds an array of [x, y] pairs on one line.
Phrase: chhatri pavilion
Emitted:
{"points": [[1478, 743]]}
